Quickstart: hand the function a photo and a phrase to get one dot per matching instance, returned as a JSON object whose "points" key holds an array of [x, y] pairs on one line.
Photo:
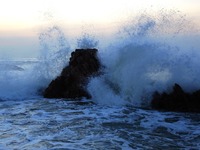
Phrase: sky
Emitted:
{"points": [[22, 20]]}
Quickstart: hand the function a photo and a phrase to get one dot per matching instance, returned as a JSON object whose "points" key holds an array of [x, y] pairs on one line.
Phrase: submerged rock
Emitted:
{"points": [[74, 78], [177, 100]]}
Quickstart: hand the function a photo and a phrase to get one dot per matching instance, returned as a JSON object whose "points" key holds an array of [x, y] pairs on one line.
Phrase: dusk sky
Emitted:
{"points": [[22, 20]]}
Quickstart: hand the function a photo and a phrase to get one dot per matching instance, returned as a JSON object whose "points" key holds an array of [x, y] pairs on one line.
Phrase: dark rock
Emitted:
{"points": [[177, 100], [73, 79]]}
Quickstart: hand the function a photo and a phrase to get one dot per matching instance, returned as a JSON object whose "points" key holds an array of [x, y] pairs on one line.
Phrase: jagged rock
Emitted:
{"points": [[73, 79], [177, 100]]}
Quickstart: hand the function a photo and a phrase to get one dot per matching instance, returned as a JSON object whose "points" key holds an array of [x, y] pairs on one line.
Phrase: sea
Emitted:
{"points": [[147, 53]]}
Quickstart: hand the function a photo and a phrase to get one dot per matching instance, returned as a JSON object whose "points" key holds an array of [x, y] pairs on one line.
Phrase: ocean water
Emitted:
{"points": [[55, 124], [146, 54]]}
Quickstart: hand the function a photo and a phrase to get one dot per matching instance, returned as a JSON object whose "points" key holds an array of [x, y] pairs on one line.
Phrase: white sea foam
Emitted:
{"points": [[54, 124]]}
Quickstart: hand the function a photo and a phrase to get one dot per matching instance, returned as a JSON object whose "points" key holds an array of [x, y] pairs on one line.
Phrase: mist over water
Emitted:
{"points": [[147, 53]]}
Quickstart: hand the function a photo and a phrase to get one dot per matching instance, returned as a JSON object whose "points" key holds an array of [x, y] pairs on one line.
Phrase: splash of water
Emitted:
{"points": [[55, 50], [147, 57], [25, 83], [87, 41]]}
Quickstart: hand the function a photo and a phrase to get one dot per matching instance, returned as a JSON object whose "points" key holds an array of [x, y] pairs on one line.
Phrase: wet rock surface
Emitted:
{"points": [[73, 79], [178, 100]]}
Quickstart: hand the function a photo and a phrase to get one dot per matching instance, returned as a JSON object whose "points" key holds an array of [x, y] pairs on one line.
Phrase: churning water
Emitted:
{"points": [[148, 53]]}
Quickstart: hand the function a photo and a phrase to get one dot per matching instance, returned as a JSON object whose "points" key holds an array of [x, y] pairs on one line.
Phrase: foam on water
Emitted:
{"points": [[53, 124]]}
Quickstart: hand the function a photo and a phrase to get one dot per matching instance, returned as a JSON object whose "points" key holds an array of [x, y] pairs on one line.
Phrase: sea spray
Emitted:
{"points": [[87, 41], [27, 82], [134, 66], [149, 53], [17, 83], [147, 57], [54, 52]]}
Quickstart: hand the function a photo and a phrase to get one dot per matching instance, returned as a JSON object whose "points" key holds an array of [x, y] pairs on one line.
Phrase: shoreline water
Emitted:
{"points": [[54, 124]]}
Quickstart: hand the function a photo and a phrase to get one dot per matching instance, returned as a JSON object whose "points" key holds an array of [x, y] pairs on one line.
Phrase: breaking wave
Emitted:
{"points": [[148, 53]]}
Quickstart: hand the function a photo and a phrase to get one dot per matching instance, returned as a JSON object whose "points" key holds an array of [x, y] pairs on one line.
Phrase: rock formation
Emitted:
{"points": [[74, 78], [177, 100]]}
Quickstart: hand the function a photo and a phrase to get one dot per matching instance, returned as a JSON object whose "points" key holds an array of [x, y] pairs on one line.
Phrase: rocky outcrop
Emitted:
{"points": [[177, 100], [71, 84]]}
